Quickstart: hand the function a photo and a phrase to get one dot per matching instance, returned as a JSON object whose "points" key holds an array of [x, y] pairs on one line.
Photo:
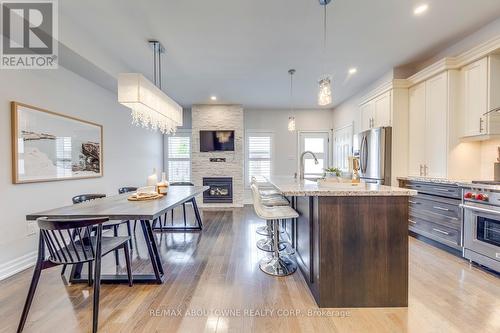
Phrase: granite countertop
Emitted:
{"points": [[459, 183], [290, 186], [435, 180]]}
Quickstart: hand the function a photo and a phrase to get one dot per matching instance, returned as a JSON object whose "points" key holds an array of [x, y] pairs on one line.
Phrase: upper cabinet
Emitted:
{"points": [[376, 112], [428, 127], [481, 97]]}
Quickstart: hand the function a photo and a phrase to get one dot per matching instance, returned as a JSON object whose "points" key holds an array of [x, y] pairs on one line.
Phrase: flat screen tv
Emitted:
{"points": [[216, 141]]}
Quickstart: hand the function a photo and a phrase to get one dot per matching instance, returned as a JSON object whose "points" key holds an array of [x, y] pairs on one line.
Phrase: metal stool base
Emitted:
{"points": [[278, 266], [268, 246]]}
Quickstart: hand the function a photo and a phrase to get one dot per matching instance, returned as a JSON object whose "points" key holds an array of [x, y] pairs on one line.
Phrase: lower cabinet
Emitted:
{"points": [[306, 239], [435, 212]]}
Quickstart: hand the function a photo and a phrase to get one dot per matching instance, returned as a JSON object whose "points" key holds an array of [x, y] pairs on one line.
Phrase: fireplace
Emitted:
{"points": [[221, 190]]}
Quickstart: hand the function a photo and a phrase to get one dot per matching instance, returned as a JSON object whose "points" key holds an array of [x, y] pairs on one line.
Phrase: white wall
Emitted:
{"points": [[285, 142], [130, 153]]}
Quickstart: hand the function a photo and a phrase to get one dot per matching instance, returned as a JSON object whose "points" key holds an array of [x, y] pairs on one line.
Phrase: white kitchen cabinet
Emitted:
{"points": [[475, 81], [480, 84], [376, 112], [428, 127], [436, 126], [382, 110], [367, 115], [416, 130]]}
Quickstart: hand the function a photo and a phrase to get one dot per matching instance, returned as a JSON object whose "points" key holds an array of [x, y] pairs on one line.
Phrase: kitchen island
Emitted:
{"points": [[351, 241]]}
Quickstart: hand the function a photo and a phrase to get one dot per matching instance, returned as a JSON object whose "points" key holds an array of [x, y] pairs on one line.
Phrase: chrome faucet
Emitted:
{"points": [[301, 171]]}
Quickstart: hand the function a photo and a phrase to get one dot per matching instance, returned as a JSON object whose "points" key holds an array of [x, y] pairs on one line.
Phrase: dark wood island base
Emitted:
{"points": [[353, 250]]}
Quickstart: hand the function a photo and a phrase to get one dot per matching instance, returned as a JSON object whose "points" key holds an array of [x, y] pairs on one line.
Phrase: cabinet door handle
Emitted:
{"points": [[425, 169], [421, 170], [440, 189], [441, 231], [412, 222], [481, 122], [441, 208]]}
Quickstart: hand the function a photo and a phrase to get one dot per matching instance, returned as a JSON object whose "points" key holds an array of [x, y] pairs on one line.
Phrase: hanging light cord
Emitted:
{"points": [[291, 92]]}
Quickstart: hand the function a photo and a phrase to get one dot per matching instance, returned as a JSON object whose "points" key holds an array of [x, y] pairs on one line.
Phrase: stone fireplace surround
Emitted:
{"points": [[218, 117]]}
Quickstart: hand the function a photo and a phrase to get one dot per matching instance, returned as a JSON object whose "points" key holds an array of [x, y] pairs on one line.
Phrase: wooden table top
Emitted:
{"points": [[117, 207]]}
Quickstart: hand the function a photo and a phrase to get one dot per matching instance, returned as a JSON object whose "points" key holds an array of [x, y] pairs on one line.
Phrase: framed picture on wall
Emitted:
{"points": [[47, 146]]}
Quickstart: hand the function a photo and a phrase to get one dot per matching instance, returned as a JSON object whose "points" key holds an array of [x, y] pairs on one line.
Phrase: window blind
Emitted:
{"points": [[179, 157], [259, 155]]}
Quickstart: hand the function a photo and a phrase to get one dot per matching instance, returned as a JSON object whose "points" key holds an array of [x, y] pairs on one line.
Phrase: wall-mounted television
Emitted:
{"points": [[216, 141]]}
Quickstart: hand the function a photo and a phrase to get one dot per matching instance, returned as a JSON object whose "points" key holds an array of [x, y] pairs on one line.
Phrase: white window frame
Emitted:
{"points": [[180, 132], [249, 133], [328, 146]]}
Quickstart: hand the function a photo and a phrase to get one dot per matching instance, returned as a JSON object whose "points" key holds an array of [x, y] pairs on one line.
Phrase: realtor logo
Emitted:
{"points": [[29, 34]]}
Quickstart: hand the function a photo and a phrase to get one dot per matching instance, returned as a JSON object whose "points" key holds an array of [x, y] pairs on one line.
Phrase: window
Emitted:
{"points": [[179, 157], [258, 154], [316, 142]]}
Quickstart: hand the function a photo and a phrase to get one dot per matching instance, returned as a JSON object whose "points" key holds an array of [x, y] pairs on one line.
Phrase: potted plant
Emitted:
{"points": [[333, 173]]}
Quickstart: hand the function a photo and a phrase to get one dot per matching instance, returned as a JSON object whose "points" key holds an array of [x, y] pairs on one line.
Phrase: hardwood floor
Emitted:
{"points": [[215, 274]]}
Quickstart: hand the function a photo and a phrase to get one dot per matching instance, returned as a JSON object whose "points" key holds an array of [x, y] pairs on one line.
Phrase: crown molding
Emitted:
{"points": [[385, 87], [480, 51]]}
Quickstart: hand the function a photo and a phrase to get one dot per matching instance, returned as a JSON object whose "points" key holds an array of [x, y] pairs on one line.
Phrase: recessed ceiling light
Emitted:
{"points": [[213, 98], [420, 9], [353, 70]]}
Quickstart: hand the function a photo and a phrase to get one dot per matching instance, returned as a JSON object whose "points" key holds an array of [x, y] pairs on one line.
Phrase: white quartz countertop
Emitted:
{"points": [[290, 186]]}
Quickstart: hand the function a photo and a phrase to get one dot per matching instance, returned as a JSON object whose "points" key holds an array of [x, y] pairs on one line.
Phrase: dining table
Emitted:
{"points": [[119, 207]]}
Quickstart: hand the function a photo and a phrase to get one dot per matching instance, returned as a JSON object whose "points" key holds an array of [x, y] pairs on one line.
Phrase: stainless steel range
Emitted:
{"points": [[481, 206]]}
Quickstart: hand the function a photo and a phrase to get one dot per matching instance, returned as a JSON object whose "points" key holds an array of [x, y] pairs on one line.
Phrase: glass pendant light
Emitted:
{"points": [[291, 119], [325, 83]]}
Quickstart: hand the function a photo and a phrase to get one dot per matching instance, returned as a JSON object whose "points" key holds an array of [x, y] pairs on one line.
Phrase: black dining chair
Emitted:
{"points": [[123, 190], [71, 241], [106, 226], [183, 205]]}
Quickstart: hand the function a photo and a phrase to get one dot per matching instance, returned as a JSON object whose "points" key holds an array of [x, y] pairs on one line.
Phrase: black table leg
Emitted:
{"points": [[197, 213], [153, 250], [157, 277], [197, 227]]}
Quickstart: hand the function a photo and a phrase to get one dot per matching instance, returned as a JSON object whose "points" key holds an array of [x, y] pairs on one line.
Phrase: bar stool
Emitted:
{"points": [[278, 264], [269, 200]]}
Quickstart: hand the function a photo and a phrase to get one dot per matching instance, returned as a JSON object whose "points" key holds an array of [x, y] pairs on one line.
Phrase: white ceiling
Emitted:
{"points": [[241, 51]]}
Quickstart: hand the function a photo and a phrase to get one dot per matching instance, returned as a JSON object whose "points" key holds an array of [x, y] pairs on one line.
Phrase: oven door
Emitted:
{"points": [[482, 230]]}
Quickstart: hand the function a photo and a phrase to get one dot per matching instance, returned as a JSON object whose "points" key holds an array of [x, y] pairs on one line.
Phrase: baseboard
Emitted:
{"points": [[17, 265]]}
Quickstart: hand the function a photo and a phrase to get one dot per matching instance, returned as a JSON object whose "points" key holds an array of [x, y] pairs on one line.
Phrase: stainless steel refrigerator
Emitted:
{"points": [[373, 148]]}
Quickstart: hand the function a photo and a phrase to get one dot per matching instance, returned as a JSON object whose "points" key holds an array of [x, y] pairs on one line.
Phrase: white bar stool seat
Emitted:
{"points": [[278, 264]]}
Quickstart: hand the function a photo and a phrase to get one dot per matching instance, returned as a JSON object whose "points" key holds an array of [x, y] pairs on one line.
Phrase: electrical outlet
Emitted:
{"points": [[30, 228]]}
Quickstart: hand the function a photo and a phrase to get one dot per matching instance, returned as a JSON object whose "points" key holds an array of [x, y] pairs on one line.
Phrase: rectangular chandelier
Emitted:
{"points": [[151, 107]]}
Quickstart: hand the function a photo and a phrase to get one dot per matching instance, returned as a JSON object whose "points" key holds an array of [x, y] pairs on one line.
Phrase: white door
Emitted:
{"points": [[475, 80], [436, 125], [367, 114], [342, 147], [416, 129], [316, 142], [383, 110]]}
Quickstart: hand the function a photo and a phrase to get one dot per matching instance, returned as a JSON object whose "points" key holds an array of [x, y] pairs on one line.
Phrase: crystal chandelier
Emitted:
{"points": [[325, 83], [291, 119], [151, 107], [325, 91]]}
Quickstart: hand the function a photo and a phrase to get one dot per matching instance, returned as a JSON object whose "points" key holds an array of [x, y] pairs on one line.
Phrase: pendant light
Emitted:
{"points": [[151, 107], [291, 119], [325, 82]]}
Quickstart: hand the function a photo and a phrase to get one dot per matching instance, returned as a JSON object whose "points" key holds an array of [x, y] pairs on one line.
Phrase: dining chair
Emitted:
{"points": [[106, 226], [69, 242], [123, 190]]}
